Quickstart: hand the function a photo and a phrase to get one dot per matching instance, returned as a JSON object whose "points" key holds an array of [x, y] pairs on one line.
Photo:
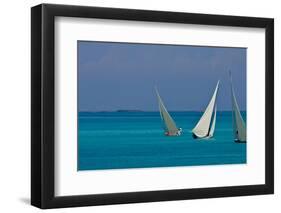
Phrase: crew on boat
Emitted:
{"points": [[179, 132]]}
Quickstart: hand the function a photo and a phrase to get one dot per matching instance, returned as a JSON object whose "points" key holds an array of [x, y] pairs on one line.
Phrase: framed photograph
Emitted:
{"points": [[136, 106]]}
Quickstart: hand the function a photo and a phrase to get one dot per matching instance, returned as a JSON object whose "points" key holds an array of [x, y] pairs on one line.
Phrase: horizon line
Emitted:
{"points": [[154, 110]]}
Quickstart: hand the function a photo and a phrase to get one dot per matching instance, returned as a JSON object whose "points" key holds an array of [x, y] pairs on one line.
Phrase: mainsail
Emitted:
{"points": [[206, 125], [239, 127], [169, 124]]}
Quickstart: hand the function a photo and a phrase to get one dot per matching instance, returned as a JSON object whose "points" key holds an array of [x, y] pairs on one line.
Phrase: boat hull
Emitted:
{"points": [[196, 137], [174, 134], [238, 141]]}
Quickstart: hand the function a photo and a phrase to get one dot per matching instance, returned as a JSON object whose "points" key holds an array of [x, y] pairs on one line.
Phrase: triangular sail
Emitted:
{"points": [[239, 127], [202, 128], [169, 123]]}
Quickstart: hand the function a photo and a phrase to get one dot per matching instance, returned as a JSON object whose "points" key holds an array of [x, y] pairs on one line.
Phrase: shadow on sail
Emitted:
{"points": [[206, 125], [170, 128], [239, 127]]}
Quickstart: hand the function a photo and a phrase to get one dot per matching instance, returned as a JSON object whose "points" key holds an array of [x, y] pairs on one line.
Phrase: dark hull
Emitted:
{"points": [[194, 136], [238, 141]]}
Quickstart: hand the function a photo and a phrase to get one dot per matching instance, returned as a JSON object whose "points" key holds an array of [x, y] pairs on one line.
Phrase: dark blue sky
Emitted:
{"points": [[114, 76]]}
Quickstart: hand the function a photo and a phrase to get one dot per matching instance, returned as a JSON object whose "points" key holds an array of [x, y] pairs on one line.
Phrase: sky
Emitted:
{"points": [[123, 76]]}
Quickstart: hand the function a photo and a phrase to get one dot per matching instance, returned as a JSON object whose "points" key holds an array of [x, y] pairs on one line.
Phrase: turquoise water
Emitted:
{"points": [[115, 140]]}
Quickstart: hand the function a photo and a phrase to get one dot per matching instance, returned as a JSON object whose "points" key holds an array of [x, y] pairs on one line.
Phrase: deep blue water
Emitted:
{"points": [[115, 140]]}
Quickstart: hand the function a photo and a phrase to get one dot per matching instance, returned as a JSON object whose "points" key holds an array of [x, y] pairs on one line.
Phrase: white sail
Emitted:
{"points": [[169, 123], [212, 130], [202, 128], [239, 127]]}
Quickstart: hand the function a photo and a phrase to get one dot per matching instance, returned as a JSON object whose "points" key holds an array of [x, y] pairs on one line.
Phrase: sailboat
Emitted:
{"points": [[206, 125], [239, 127], [170, 126]]}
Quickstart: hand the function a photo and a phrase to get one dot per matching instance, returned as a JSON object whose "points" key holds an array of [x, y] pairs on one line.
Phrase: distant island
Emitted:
{"points": [[129, 110]]}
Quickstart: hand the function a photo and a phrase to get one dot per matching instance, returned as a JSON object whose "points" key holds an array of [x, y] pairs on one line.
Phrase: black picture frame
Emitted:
{"points": [[43, 113]]}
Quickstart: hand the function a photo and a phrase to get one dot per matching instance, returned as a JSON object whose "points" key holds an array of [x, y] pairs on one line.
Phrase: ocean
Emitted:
{"points": [[133, 139]]}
